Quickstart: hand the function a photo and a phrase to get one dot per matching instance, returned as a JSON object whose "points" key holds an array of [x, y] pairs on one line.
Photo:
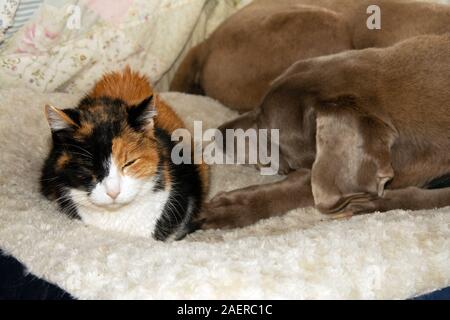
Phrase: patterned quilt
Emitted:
{"points": [[68, 44]]}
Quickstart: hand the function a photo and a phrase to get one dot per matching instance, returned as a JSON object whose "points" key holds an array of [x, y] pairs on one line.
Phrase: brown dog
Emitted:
{"points": [[360, 131], [253, 47]]}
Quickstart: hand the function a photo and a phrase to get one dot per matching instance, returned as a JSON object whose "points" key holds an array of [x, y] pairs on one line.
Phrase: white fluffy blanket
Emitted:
{"points": [[393, 255]]}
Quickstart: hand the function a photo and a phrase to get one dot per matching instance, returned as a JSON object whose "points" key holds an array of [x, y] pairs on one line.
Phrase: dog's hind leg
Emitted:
{"points": [[246, 206], [187, 77]]}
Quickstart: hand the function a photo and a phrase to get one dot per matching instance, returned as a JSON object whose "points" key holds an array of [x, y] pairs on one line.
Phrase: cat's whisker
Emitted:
{"points": [[76, 146], [87, 156], [49, 179], [173, 213], [176, 206]]}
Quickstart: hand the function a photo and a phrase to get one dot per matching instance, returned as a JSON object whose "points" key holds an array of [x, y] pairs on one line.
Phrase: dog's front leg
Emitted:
{"points": [[246, 206], [412, 198]]}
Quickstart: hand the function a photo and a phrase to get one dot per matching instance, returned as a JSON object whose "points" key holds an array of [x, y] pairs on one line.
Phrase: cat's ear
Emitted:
{"points": [[140, 116], [59, 119]]}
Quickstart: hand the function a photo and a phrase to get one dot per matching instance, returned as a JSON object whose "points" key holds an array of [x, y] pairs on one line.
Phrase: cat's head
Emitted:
{"points": [[106, 151]]}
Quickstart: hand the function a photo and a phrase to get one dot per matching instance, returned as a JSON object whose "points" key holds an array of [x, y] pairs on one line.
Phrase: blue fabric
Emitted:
{"points": [[25, 11], [443, 294], [16, 284]]}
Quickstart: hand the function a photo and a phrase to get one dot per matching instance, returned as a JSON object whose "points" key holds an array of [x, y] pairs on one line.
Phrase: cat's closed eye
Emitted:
{"points": [[129, 163]]}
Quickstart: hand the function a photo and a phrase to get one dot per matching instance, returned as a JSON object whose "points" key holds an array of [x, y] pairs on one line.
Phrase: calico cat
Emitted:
{"points": [[110, 162]]}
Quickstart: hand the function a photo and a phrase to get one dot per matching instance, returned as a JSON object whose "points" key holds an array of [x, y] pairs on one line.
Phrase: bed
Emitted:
{"points": [[302, 255]]}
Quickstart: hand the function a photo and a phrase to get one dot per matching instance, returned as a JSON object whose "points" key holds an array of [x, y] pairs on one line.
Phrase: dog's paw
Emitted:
{"points": [[226, 211], [355, 205]]}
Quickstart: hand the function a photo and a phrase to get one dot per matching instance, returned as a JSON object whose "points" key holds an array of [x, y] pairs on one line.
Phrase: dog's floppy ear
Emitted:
{"points": [[353, 137], [287, 107], [353, 151], [283, 108]]}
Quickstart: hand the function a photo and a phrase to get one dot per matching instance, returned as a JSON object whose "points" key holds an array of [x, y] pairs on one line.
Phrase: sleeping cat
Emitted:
{"points": [[110, 162]]}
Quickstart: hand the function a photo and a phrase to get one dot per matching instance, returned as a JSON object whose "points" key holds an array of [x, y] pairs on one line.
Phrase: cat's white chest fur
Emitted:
{"points": [[137, 218]]}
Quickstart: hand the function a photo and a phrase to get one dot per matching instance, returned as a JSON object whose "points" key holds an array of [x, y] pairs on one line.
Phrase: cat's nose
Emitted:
{"points": [[112, 189], [113, 194]]}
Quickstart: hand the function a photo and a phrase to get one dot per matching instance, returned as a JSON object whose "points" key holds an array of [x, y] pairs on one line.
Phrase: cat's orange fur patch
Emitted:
{"points": [[166, 175], [62, 161], [131, 146], [127, 85], [84, 130], [133, 88]]}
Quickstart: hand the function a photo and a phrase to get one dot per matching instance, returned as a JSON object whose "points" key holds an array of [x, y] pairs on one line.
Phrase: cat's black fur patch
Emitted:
{"points": [[186, 194]]}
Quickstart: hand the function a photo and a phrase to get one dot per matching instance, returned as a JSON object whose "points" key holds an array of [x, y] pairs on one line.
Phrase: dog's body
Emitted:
{"points": [[253, 47], [360, 131]]}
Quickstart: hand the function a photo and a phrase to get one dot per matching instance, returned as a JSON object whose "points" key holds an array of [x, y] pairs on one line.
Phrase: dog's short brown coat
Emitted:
{"points": [[360, 131], [237, 63]]}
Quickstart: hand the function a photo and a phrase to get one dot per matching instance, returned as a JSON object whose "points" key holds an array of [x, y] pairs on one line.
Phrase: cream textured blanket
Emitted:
{"points": [[392, 255]]}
